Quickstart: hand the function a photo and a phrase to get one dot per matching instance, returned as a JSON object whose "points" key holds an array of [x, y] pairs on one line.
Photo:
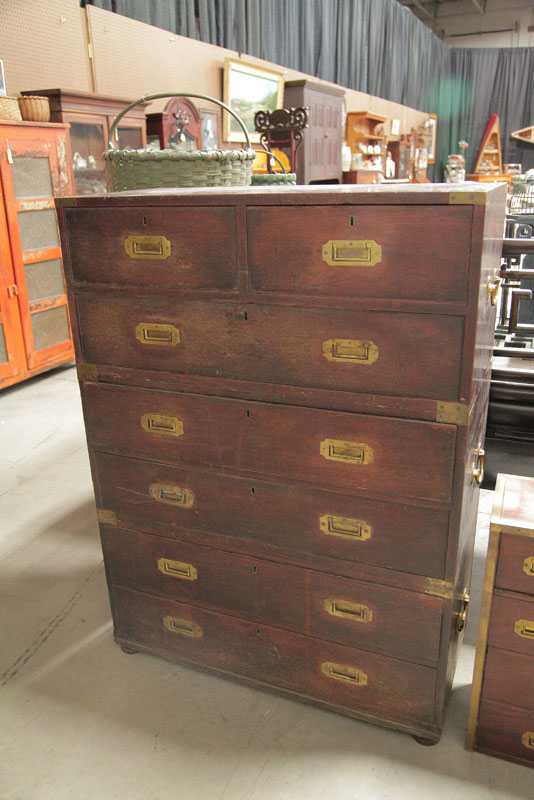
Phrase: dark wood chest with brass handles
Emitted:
{"points": [[285, 393], [501, 715]]}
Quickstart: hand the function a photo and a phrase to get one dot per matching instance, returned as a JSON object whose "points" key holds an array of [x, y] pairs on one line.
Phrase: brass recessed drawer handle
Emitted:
{"points": [[477, 471], [157, 423], [346, 527], [528, 566], [528, 739], [157, 333], [173, 495], [347, 452], [493, 289], [352, 253], [177, 569], [351, 351], [345, 608], [183, 626], [341, 672], [524, 628], [147, 247]]}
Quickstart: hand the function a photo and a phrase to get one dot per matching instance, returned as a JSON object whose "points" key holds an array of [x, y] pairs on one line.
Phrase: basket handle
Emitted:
{"points": [[272, 155], [147, 97]]}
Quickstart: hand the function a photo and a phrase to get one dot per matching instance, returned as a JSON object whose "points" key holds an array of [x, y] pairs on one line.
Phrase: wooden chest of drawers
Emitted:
{"points": [[285, 394], [501, 716]]}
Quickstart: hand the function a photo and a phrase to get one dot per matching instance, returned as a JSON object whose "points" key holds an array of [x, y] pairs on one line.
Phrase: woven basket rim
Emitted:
{"points": [[179, 155]]}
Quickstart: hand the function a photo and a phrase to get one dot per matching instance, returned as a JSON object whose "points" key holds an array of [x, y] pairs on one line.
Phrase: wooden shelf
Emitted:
{"points": [[361, 126]]}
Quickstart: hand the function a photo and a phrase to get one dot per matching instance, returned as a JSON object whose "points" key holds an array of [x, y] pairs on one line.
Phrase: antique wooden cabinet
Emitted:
{"points": [[34, 321], [319, 156], [501, 716], [285, 394], [90, 117]]}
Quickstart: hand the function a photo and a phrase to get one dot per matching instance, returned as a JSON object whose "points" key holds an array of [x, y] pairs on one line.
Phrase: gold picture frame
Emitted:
{"points": [[248, 88]]}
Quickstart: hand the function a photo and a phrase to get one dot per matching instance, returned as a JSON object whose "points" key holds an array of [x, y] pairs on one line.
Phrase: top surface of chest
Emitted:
{"points": [[420, 244]]}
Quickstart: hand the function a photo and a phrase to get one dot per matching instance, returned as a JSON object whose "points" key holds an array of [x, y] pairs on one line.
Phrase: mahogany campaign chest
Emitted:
{"points": [[285, 394], [501, 714]]}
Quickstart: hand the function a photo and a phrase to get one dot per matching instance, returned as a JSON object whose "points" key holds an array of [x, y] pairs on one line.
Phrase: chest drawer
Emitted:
{"points": [[506, 732], [391, 456], [398, 354], [515, 565], [508, 678], [512, 624], [355, 680], [361, 251], [391, 621], [194, 249], [293, 520]]}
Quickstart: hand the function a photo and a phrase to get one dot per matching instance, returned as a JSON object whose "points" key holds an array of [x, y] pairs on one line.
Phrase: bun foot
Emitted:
{"points": [[425, 741], [129, 650]]}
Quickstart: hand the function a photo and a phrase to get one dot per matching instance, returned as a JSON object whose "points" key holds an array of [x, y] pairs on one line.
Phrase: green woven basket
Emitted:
{"points": [[152, 169], [274, 178]]}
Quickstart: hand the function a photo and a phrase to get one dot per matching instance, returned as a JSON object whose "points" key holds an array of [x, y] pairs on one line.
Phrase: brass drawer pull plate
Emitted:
{"points": [[341, 672], [347, 452], [344, 608], [524, 628], [346, 527], [177, 569], [351, 351], [183, 626], [477, 471], [173, 495], [147, 247], [528, 565], [157, 423], [352, 253], [528, 739], [157, 333]]}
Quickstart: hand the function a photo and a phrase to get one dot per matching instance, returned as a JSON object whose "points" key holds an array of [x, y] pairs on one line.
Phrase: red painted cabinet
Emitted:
{"points": [[34, 321]]}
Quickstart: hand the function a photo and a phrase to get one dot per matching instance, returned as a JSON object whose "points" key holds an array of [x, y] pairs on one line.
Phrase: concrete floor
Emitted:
{"points": [[82, 720]]}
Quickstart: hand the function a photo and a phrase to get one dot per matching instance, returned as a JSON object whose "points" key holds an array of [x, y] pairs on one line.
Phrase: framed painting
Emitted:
{"points": [[432, 123], [210, 128], [247, 89]]}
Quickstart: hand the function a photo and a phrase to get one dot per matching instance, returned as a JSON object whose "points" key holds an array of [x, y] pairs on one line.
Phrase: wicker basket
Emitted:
{"points": [[9, 109], [152, 169], [35, 108]]}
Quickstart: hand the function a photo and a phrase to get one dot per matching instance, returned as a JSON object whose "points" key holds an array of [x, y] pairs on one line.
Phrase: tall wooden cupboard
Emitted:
{"points": [[319, 156], [34, 320], [285, 394]]}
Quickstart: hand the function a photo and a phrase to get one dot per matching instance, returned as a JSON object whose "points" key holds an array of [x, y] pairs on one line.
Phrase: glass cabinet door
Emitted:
{"points": [[12, 355], [130, 137], [88, 142], [36, 250]]}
